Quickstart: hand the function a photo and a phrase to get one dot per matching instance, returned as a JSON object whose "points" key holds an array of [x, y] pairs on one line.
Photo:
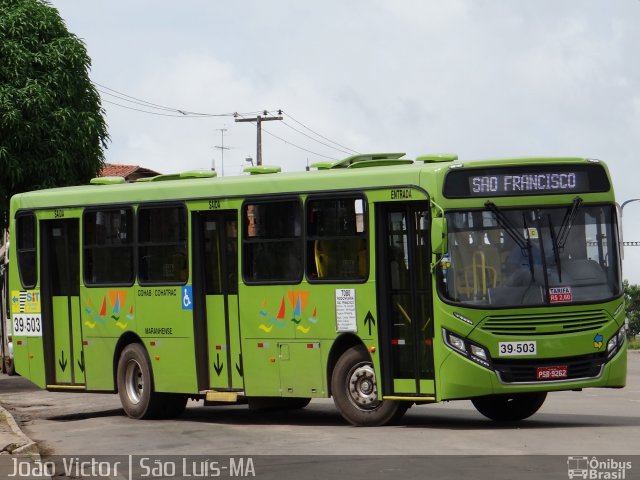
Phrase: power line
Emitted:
{"points": [[291, 143], [297, 146], [318, 134], [139, 101], [148, 112], [316, 140], [182, 113], [126, 98], [178, 112], [341, 150]]}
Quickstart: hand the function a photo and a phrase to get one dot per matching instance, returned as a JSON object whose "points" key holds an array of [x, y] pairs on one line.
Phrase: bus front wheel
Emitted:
{"points": [[355, 391], [135, 384], [509, 408]]}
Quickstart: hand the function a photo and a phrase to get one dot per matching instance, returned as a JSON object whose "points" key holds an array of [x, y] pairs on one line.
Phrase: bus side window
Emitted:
{"points": [[337, 239], [272, 241], [108, 246], [26, 249], [162, 235]]}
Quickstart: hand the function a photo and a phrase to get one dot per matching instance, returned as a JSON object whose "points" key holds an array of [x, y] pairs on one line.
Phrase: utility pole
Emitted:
{"points": [[259, 119], [222, 148]]}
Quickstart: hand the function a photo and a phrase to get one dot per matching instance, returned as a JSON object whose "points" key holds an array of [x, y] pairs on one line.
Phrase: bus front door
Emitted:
{"points": [[404, 299], [215, 284], [60, 289]]}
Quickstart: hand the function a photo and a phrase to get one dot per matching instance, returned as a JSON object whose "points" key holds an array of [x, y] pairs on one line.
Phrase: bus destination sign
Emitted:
{"points": [[526, 180], [531, 183]]}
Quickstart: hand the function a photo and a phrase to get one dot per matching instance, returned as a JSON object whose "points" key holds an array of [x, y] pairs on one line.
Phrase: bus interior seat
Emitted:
{"points": [[180, 267], [341, 259], [582, 271], [323, 259]]}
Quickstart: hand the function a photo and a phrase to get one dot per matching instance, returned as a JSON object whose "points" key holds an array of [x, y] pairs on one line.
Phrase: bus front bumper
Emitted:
{"points": [[461, 378]]}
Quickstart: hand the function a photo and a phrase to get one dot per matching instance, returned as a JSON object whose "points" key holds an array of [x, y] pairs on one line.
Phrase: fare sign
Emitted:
{"points": [[560, 294]]}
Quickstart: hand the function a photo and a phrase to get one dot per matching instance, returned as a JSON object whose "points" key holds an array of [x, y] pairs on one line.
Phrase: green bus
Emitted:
{"points": [[380, 281]]}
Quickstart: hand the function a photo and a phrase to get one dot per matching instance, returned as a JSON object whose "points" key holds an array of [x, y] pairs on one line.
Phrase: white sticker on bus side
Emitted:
{"points": [[346, 319], [27, 325]]}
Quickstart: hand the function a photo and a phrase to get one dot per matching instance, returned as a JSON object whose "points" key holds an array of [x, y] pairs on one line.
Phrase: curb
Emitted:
{"points": [[26, 446]]}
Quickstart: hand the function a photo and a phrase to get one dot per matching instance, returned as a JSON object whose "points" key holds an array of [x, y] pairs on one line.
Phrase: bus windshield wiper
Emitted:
{"points": [[560, 240], [556, 248], [567, 222], [505, 223]]}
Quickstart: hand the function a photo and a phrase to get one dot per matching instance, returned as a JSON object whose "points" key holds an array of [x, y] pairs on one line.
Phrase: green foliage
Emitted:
{"points": [[632, 301], [52, 128]]}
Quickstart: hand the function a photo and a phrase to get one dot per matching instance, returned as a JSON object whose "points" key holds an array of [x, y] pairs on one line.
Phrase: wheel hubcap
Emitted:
{"points": [[134, 381], [362, 388]]}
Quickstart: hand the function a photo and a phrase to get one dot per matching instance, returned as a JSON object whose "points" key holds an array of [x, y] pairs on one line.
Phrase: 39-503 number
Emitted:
{"points": [[506, 349], [27, 325]]}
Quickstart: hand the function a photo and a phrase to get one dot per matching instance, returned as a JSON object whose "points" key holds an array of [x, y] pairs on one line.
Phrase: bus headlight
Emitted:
{"points": [[469, 349], [456, 342], [615, 343], [479, 352]]}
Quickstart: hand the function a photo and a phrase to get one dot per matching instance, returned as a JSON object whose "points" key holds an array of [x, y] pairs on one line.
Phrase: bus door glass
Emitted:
{"points": [[404, 298], [216, 305], [62, 329]]}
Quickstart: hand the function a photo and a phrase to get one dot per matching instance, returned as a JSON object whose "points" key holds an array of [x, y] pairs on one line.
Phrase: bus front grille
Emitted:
{"points": [[524, 371], [545, 323]]}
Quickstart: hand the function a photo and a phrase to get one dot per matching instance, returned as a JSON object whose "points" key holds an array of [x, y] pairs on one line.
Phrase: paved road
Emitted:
{"points": [[592, 422]]}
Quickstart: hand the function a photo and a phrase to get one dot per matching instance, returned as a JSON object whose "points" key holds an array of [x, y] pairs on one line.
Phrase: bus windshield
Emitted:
{"points": [[531, 256]]}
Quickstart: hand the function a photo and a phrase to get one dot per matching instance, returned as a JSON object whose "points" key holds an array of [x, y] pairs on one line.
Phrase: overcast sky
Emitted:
{"points": [[481, 78]]}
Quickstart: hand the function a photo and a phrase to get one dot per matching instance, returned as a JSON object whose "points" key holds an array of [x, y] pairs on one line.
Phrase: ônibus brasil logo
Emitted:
{"points": [[595, 468]]}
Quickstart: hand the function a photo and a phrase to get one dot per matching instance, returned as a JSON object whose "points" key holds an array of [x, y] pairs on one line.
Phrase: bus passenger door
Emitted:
{"points": [[404, 298], [215, 284], [60, 285]]}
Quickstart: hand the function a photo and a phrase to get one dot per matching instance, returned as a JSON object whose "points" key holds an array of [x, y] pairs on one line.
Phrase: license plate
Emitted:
{"points": [[557, 372]]}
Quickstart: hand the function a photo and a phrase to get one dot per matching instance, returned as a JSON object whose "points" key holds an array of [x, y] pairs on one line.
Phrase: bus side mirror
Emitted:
{"points": [[438, 235]]}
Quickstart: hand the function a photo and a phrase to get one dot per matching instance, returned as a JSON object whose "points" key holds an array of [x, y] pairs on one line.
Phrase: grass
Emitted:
{"points": [[634, 344]]}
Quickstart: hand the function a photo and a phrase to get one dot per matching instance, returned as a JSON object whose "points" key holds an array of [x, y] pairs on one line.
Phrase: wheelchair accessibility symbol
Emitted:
{"points": [[187, 298]]}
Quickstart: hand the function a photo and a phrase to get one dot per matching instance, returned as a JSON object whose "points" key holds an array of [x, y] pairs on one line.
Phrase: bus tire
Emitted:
{"points": [[135, 384], [355, 392], [509, 408]]}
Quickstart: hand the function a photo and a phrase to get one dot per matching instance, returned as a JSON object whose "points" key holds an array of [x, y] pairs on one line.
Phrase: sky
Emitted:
{"points": [[481, 78]]}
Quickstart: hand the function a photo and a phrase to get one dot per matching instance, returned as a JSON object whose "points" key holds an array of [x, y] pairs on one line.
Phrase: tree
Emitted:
{"points": [[52, 127], [632, 301]]}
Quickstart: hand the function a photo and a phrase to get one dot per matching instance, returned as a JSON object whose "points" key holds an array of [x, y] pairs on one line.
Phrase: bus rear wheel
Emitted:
{"points": [[135, 384], [355, 392], [509, 408]]}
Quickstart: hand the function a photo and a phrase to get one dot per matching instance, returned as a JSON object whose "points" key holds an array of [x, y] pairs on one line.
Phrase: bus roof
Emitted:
{"points": [[428, 171]]}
